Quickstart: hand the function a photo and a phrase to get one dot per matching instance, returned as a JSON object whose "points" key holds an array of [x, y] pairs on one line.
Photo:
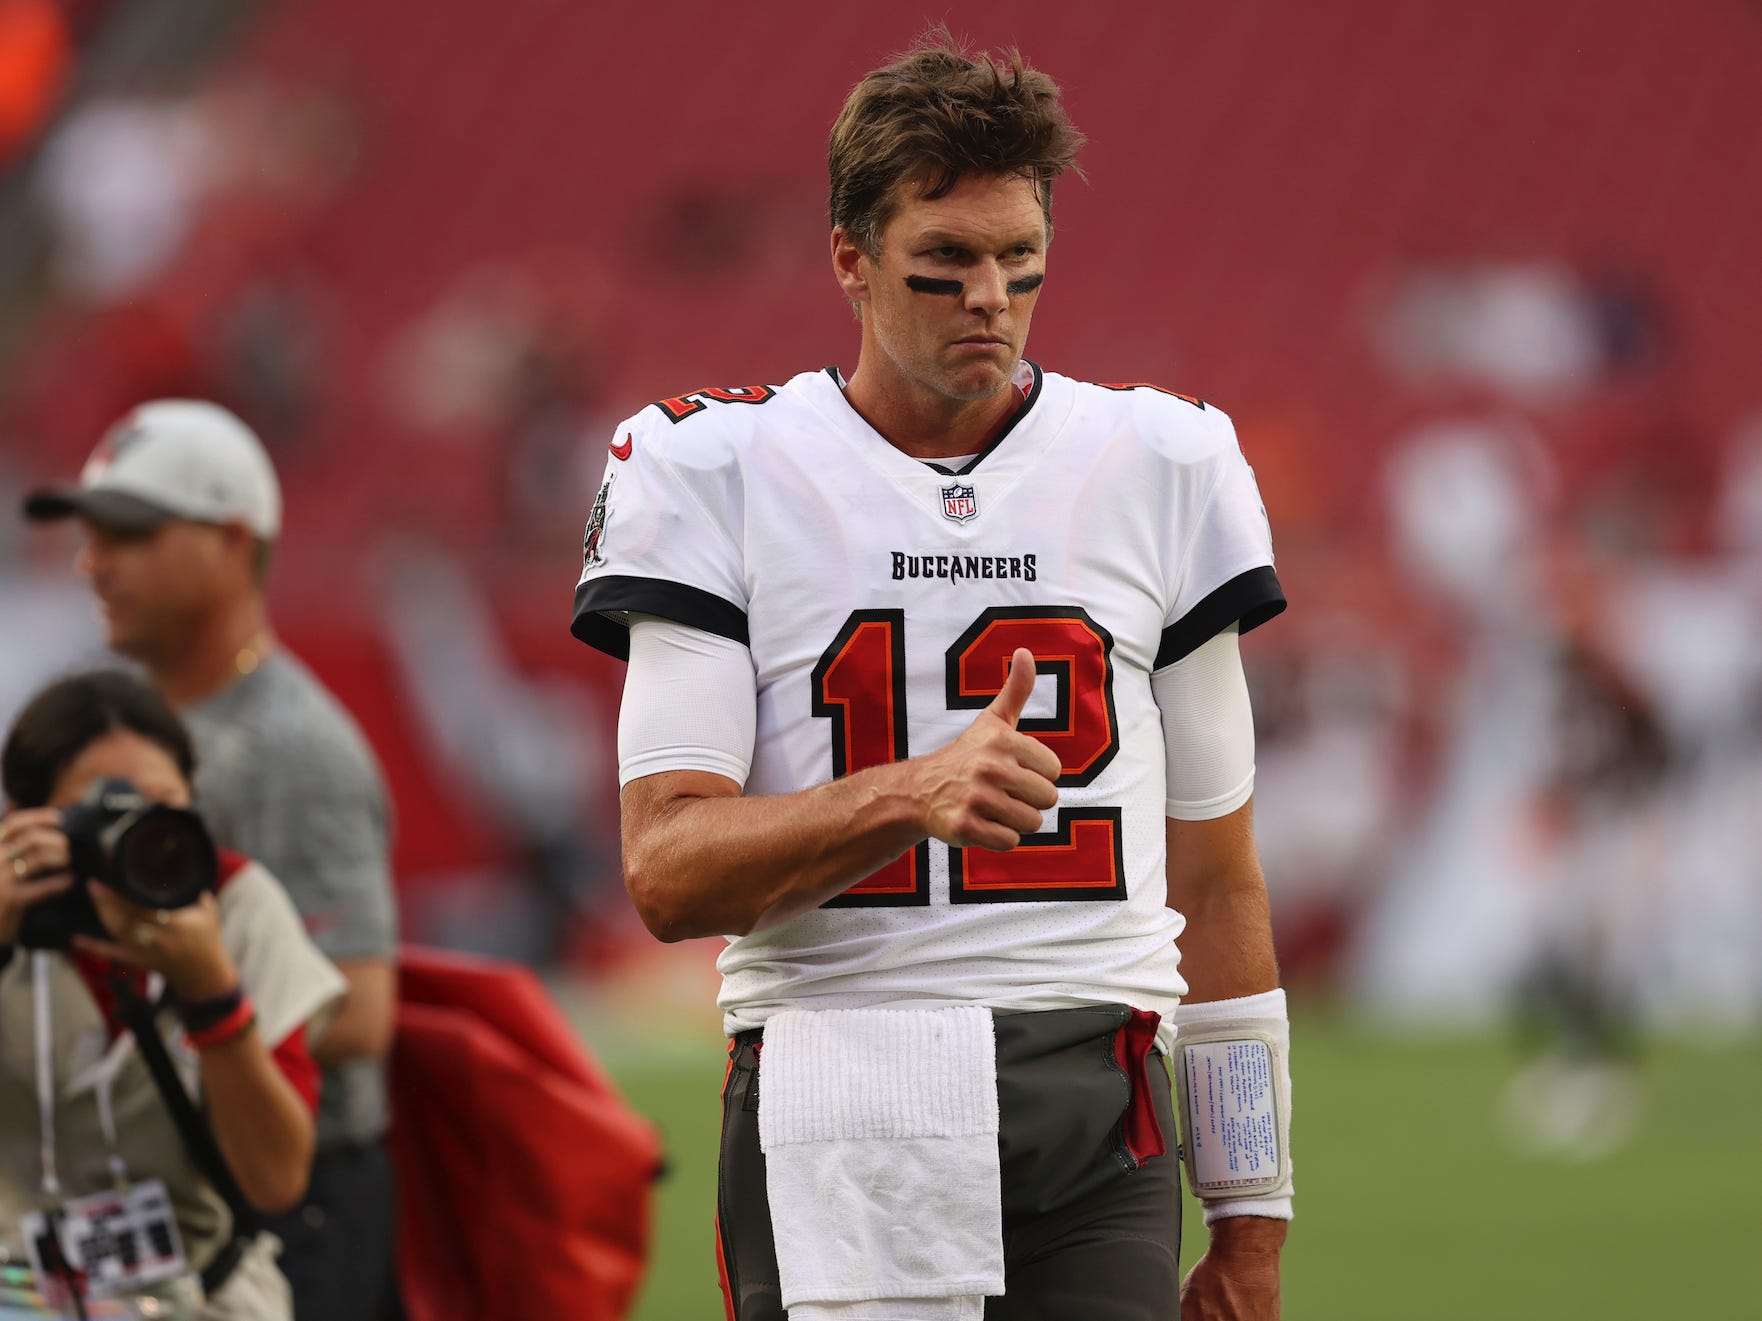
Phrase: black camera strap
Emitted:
{"points": [[139, 1016]]}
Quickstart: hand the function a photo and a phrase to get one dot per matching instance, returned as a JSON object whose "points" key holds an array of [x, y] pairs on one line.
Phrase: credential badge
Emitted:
{"points": [[959, 503]]}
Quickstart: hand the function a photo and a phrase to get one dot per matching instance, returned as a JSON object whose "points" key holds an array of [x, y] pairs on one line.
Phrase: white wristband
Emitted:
{"points": [[1234, 1083]]}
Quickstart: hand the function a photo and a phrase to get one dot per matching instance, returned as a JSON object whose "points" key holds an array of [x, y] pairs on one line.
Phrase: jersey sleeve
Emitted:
{"points": [[1223, 549], [663, 537]]}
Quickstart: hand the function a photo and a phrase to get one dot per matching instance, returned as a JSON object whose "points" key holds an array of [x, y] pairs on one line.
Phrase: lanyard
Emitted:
{"points": [[41, 1002], [107, 1122], [40, 972]]}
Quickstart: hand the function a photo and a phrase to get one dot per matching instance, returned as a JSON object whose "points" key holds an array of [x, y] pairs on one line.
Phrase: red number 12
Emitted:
{"points": [[859, 684]]}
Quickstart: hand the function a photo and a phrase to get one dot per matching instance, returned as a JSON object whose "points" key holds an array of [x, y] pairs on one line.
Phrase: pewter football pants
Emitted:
{"points": [[1091, 1224]]}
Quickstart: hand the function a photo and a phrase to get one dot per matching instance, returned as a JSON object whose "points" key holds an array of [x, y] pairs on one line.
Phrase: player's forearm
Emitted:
{"points": [[1215, 881], [729, 865], [262, 1127], [1229, 950]]}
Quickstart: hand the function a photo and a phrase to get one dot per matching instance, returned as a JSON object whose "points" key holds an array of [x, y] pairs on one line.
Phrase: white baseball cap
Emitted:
{"points": [[173, 458]]}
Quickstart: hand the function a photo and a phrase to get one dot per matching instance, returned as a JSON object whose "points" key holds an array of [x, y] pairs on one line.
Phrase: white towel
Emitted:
{"points": [[879, 1128]]}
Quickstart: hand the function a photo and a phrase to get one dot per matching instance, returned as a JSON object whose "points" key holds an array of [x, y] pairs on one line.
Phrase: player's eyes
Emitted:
{"points": [[948, 252]]}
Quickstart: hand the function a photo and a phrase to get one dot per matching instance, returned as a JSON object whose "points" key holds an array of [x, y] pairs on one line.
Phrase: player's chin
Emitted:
{"points": [[982, 378]]}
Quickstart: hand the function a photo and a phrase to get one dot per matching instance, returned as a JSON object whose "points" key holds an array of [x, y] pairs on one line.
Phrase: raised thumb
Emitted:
{"points": [[1007, 705]]}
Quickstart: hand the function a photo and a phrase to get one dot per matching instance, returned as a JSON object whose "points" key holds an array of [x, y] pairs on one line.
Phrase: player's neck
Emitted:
{"points": [[919, 422], [220, 652]]}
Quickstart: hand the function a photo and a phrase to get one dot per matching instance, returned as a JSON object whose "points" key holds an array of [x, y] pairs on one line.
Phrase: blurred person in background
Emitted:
{"points": [[1465, 496], [122, 183], [1606, 838], [181, 508], [518, 746], [245, 986]]}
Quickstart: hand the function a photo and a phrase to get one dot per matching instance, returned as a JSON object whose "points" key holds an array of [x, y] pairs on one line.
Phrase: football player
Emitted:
{"points": [[935, 700]]}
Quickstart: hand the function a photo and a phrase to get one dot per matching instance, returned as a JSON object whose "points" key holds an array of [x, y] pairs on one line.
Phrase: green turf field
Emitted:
{"points": [[1410, 1206]]}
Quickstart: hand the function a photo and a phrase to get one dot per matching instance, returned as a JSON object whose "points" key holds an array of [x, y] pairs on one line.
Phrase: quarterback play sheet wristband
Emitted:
{"points": [[1234, 1084]]}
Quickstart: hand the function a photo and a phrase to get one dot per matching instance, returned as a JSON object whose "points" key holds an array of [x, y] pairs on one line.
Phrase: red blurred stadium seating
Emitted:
{"points": [[1251, 166]]}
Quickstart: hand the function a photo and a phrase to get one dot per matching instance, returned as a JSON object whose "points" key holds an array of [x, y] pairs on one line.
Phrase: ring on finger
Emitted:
{"points": [[143, 936], [162, 916], [20, 867]]}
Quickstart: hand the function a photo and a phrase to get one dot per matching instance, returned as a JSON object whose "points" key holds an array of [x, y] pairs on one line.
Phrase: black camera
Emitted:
{"points": [[150, 854]]}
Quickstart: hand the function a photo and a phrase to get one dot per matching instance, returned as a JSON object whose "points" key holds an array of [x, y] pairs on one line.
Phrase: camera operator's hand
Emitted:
{"points": [[182, 945], [33, 865]]}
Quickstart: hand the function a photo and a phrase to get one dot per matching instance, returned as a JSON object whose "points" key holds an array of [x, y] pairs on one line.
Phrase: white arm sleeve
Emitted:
{"points": [[1207, 729], [691, 702]]}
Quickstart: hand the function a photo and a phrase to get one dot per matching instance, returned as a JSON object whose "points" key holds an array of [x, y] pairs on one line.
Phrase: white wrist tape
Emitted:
{"points": [[1234, 1083]]}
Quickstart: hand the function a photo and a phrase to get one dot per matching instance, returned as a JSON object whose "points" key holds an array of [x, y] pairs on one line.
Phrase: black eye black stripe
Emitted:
{"points": [[923, 284]]}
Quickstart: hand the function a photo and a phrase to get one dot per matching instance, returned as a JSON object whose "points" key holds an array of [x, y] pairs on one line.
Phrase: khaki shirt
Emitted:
{"points": [[290, 983]]}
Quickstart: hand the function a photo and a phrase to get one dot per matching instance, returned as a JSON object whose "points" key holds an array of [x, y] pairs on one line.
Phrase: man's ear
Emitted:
{"points": [[851, 265], [241, 546]]}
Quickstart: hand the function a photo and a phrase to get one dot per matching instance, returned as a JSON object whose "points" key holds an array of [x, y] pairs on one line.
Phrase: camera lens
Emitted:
{"points": [[164, 859]]}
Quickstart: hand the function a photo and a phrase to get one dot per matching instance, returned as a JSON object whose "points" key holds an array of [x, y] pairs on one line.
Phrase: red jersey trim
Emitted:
{"points": [[231, 864], [295, 1061]]}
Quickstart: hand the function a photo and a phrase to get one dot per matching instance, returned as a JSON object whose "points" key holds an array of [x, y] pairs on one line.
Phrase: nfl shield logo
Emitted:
{"points": [[959, 503]]}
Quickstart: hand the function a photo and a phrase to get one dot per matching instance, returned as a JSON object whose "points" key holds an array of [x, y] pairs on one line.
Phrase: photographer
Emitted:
{"points": [[181, 511], [229, 981]]}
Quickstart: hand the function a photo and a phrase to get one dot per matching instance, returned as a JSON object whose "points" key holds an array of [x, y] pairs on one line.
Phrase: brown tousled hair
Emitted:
{"points": [[936, 114]]}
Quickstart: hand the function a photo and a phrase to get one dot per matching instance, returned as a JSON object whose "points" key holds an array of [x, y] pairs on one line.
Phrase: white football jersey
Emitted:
{"points": [[1108, 529]]}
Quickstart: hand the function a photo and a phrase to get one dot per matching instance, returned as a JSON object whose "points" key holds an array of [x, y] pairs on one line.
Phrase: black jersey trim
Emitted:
{"points": [[1248, 600], [1032, 398], [1034, 393], [649, 596]]}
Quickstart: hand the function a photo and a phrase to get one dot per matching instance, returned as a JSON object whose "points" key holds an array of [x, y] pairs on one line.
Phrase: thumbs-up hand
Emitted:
{"points": [[992, 784], [1013, 696]]}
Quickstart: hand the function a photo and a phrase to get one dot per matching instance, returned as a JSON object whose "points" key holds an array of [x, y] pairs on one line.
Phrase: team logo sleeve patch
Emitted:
{"points": [[594, 541]]}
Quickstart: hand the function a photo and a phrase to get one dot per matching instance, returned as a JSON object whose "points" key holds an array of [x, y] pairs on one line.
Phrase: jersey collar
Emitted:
{"points": [[1029, 382]]}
